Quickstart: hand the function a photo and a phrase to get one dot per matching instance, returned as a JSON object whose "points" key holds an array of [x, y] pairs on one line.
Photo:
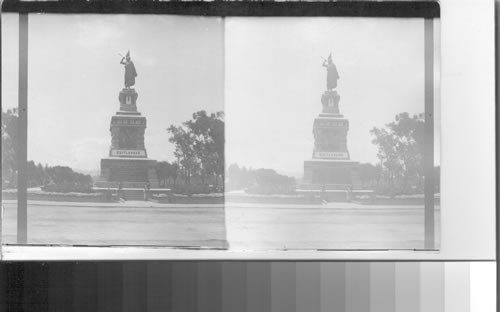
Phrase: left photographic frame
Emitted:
{"points": [[110, 123]]}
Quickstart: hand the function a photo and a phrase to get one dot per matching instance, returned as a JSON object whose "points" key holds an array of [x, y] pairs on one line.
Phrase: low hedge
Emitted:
{"points": [[214, 198], [55, 196]]}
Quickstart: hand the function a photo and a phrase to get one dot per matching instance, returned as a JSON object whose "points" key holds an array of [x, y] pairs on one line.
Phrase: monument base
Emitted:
{"points": [[331, 175], [331, 180], [139, 171]]}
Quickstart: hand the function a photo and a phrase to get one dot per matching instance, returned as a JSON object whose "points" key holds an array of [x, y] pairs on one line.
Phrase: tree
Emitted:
{"points": [[9, 145], [239, 178], [209, 143], [370, 175], [400, 148], [234, 177], [199, 146], [185, 151], [63, 174], [64, 179], [268, 181], [37, 176], [174, 172], [259, 181], [167, 171], [161, 171]]}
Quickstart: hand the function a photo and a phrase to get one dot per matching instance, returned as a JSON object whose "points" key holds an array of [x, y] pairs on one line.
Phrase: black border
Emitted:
{"points": [[425, 9], [497, 148]]}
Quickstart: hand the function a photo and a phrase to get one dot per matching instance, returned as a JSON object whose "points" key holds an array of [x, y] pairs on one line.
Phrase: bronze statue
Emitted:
{"points": [[130, 72], [332, 74]]}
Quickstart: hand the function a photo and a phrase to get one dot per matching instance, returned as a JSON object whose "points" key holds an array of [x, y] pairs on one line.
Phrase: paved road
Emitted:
{"points": [[244, 226], [333, 226], [127, 224]]}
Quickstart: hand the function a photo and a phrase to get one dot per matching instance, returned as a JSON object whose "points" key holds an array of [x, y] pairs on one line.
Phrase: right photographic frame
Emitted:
{"points": [[332, 133]]}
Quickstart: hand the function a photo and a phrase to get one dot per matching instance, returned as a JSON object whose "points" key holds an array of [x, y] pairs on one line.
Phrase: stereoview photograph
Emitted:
{"points": [[332, 136], [246, 134], [125, 130]]}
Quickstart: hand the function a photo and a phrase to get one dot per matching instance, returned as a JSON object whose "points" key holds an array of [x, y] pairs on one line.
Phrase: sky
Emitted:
{"points": [[265, 73], [75, 76], [275, 79]]}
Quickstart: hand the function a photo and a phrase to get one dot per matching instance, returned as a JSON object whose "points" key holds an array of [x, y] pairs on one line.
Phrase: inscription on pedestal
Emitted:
{"points": [[331, 155], [128, 153], [119, 120], [331, 123]]}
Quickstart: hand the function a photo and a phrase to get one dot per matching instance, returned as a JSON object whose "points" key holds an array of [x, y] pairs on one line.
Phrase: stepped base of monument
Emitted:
{"points": [[133, 194], [140, 171], [129, 191], [115, 185], [332, 195], [331, 115]]}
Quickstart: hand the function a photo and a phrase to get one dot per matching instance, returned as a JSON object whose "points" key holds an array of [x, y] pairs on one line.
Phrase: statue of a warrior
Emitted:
{"points": [[332, 74], [130, 72]]}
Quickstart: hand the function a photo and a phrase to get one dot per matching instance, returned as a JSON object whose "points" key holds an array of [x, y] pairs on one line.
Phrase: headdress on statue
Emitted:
{"points": [[128, 54], [330, 58]]}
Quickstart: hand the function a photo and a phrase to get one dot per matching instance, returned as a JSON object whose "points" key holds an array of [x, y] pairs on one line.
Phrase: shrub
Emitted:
{"points": [[268, 181], [67, 187], [190, 189]]}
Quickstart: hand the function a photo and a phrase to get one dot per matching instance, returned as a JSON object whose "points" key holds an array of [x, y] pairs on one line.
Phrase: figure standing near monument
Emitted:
{"points": [[332, 74], [130, 72]]}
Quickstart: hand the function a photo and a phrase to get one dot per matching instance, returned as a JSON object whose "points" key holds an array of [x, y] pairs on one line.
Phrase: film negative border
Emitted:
{"points": [[425, 9]]}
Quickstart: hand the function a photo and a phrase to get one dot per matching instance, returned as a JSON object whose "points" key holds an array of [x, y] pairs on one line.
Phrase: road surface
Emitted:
{"points": [[238, 226]]}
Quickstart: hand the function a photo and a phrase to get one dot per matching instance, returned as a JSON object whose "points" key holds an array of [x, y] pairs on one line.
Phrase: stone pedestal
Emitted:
{"points": [[128, 100], [129, 170], [127, 136], [330, 101], [330, 137], [127, 128], [127, 160], [330, 172]]}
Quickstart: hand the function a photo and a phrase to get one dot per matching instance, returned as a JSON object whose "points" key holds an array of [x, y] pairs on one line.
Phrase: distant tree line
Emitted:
{"points": [[199, 150], [372, 178], [400, 170], [57, 178], [199, 165], [54, 179], [258, 181]]}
